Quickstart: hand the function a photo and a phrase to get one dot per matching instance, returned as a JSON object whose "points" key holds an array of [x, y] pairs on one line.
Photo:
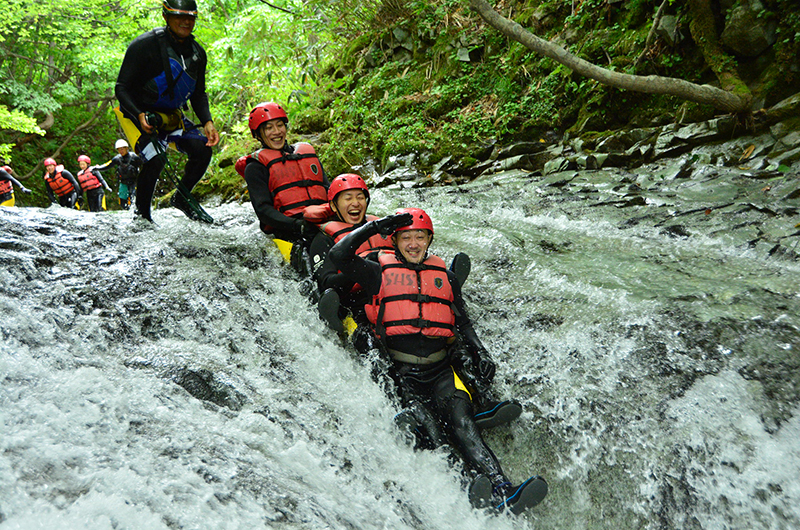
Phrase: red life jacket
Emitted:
{"points": [[58, 183], [412, 301], [5, 187], [88, 180], [295, 179], [337, 230]]}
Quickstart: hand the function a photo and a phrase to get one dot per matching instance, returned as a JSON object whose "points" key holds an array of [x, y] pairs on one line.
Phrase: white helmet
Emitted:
{"points": [[121, 143]]}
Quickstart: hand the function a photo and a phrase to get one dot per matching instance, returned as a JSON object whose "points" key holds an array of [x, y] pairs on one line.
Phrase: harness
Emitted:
{"points": [[412, 300], [176, 84], [126, 170]]}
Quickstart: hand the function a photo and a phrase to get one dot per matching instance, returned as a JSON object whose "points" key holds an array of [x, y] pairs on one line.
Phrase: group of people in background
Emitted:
{"points": [[67, 189], [375, 273]]}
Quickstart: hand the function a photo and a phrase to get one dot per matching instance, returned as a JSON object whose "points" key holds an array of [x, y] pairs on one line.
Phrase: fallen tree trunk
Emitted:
{"points": [[651, 84]]}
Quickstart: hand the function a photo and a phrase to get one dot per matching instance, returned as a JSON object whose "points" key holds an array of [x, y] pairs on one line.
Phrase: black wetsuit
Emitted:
{"points": [[94, 197], [127, 172], [283, 227], [326, 273], [430, 390], [142, 86]]}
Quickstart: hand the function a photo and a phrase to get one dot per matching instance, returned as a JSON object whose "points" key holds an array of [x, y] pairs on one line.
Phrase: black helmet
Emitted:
{"points": [[179, 7]]}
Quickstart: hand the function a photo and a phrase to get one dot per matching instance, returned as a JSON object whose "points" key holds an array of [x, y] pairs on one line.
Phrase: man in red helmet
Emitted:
{"points": [[417, 312], [61, 185], [7, 183], [92, 183], [162, 71], [283, 179]]}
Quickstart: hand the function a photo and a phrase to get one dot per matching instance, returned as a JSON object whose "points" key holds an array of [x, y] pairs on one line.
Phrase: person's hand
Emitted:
{"points": [[108, 188], [211, 134], [387, 226], [146, 127], [307, 230], [25, 190]]}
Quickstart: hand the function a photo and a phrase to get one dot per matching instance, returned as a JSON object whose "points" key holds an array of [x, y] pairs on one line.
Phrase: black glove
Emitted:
{"points": [[387, 226], [486, 366], [307, 230]]}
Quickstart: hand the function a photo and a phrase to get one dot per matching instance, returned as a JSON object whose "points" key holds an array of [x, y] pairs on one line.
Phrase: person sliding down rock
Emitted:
{"points": [[416, 313], [283, 180], [342, 300]]}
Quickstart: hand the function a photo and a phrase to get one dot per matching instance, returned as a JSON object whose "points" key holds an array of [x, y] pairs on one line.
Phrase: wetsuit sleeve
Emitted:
{"points": [[199, 98], [67, 175], [325, 272], [257, 177], [132, 72], [49, 191], [99, 176], [463, 322], [343, 255], [5, 175], [113, 162]]}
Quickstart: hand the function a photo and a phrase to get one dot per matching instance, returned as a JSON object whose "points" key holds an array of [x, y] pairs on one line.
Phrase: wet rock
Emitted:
{"points": [[521, 148], [559, 164], [746, 32], [668, 29], [204, 385]]}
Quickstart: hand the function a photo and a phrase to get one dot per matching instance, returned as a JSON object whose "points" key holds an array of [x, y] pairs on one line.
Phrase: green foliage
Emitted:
{"points": [[15, 121]]}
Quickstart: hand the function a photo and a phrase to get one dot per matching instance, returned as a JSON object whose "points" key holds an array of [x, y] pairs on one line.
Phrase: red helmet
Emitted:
{"points": [[84, 158], [49, 162], [7, 169], [344, 182], [421, 220], [263, 112]]}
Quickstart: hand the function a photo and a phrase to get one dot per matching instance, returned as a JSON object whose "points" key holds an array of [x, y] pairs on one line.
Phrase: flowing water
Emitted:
{"points": [[178, 377]]}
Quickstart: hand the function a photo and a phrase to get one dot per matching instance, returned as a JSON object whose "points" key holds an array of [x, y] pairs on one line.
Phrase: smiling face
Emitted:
{"points": [[122, 150], [412, 244], [83, 164], [351, 206], [273, 133], [50, 168], [180, 25]]}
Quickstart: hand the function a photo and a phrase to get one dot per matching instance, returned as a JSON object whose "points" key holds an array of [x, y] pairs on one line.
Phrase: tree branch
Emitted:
{"points": [[652, 33], [651, 84], [279, 8], [85, 125], [34, 61]]}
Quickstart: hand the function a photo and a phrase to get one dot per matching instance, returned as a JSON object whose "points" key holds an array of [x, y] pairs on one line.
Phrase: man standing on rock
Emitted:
{"points": [[164, 69]]}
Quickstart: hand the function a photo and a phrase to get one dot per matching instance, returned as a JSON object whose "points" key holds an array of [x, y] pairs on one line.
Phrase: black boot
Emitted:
{"points": [[177, 201], [480, 492], [490, 413], [328, 307], [517, 499]]}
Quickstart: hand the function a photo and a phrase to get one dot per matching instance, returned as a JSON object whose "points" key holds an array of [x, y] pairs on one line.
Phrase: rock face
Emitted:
{"points": [[747, 34], [718, 142]]}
